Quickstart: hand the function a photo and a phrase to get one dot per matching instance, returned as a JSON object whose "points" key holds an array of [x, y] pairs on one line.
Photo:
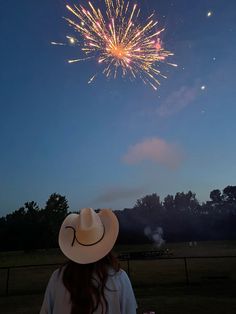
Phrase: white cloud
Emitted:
{"points": [[156, 150]]}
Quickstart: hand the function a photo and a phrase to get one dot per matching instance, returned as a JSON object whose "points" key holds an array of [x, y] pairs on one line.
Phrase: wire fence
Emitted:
{"points": [[144, 269]]}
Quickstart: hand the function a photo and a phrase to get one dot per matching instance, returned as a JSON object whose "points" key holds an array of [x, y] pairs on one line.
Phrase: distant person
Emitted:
{"points": [[91, 282]]}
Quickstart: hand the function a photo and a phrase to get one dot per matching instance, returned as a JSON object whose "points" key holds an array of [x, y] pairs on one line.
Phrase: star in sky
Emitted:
{"points": [[209, 13]]}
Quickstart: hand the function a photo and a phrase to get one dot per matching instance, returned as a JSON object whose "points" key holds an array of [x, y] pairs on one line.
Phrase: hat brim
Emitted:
{"points": [[88, 254]]}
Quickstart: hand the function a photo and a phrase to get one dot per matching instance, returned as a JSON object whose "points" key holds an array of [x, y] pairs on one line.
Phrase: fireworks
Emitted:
{"points": [[120, 44]]}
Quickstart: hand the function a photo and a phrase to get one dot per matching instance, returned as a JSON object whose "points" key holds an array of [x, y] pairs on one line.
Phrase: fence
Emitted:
{"points": [[144, 268]]}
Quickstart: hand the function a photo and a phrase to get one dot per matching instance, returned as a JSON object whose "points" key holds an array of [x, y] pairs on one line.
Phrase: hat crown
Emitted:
{"points": [[90, 228]]}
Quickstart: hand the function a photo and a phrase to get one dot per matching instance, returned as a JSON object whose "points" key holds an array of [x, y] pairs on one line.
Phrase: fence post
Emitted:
{"points": [[186, 271], [7, 282]]}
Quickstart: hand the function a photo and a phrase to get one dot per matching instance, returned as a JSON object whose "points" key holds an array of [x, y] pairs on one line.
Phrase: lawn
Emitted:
{"points": [[174, 299], [160, 285]]}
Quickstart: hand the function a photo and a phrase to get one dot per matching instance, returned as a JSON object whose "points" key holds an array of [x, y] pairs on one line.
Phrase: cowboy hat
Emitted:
{"points": [[87, 237]]}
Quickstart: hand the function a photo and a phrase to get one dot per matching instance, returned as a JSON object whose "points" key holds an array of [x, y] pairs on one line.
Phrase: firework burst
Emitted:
{"points": [[120, 43]]}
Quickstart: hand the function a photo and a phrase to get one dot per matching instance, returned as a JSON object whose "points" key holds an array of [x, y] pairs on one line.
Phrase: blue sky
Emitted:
{"points": [[111, 142]]}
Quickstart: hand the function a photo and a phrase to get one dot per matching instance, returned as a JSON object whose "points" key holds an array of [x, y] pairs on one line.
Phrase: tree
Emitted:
{"points": [[169, 203], [148, 211], [215, 196], [16, 229], [229, 194], [149, 202], [229, 200], [186, 202], [31, 206], [54, 213], [57, 204]]}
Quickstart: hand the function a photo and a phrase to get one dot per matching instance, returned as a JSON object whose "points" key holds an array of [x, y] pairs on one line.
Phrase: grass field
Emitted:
{"points": [[160, 285], [173, 300]]}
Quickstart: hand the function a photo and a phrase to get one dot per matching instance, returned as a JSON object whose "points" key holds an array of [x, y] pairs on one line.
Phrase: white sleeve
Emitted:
{"points": [[127, 299], [49, 296]]}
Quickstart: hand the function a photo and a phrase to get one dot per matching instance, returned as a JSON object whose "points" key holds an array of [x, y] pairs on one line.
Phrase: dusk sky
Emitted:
{"points": [[108, 143]]}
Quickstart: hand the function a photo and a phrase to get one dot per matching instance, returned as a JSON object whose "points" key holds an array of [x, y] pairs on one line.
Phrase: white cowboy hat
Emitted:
{"points": [[87, 237]]}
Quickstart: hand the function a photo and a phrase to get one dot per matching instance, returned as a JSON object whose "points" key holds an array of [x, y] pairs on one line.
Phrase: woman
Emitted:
{"points": [[91, 282]]}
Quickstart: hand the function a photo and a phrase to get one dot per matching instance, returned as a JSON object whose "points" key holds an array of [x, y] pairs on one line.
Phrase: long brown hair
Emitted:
{"points": [[86, 284]]}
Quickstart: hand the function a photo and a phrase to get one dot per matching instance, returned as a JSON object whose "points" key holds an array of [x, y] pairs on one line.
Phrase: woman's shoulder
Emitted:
{"points": [[119, 275], [57, 274]]}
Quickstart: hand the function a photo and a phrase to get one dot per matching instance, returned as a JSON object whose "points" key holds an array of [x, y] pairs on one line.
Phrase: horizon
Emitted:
{"points": [[70, 209]]}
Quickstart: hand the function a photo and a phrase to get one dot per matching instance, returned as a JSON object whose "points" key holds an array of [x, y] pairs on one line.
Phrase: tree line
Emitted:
{"points": [[180, 216]]}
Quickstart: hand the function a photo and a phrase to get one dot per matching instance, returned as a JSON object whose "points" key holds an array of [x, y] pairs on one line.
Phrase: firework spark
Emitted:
{"points": [[116, 39]]}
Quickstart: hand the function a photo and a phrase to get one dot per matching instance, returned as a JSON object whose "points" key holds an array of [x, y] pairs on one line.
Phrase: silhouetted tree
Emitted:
{"points": [[16, 229], [57, 204], [181, 217], [149, 202], [169, 203], [229, 193], [216, 196], [186, 202], [149, 208], [54, 213], [31, 206]]}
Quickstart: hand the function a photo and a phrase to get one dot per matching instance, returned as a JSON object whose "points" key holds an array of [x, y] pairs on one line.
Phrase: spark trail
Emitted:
{"points": [[118, 41]]}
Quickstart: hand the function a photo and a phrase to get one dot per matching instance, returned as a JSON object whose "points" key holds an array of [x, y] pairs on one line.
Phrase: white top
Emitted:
{"points": [[119, 295]]}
